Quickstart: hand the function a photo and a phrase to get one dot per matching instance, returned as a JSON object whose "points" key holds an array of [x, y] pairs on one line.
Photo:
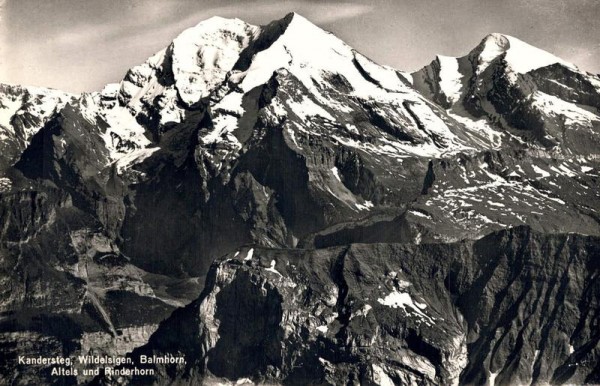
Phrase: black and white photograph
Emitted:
{"points": [[304, 192]]}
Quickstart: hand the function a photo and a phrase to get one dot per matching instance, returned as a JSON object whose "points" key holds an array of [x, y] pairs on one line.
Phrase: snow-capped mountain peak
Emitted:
{"points": [[306, 51], [520, 56], [294, 47], [530, 91], [203, 54]]}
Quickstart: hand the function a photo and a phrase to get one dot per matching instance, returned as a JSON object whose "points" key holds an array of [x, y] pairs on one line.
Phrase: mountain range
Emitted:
{"points": [[276, 207]]}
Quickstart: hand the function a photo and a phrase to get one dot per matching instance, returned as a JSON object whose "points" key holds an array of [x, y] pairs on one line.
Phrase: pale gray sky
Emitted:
{"points": [[80, 45]]}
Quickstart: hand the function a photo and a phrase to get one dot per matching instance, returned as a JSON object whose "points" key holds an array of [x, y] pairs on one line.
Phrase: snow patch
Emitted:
{"points": [[585, 169], [540, 171], [380, 378], [272, 268], [352, 128], [567, 171], [570, 112], [231, 103], [421, 305], [492, 378], [479, 130], [419, 214], [292, 134], [306, 108], [434, 125], [450, 78], [366, 206], [223, 127], [336, 173], [364, 311], [397, 299]]}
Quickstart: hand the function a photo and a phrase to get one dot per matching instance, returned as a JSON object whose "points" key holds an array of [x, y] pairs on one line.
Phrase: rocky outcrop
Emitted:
{"points": [[462, 313]]}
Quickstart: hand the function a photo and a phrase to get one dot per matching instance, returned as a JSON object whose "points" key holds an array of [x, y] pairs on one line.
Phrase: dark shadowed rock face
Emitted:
{"points": [[370, 226], [510, 308]]}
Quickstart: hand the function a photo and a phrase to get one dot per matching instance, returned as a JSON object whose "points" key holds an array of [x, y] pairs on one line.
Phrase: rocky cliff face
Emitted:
{"points": [[511, 308], [376, 227]]}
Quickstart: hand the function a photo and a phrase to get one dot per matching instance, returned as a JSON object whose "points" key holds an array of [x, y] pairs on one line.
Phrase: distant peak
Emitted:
{"points": [[293, 15], [215, 18], [216, 22], [495, 42], [273, 31], [497, 38], [298, 21], [520, 56]]}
